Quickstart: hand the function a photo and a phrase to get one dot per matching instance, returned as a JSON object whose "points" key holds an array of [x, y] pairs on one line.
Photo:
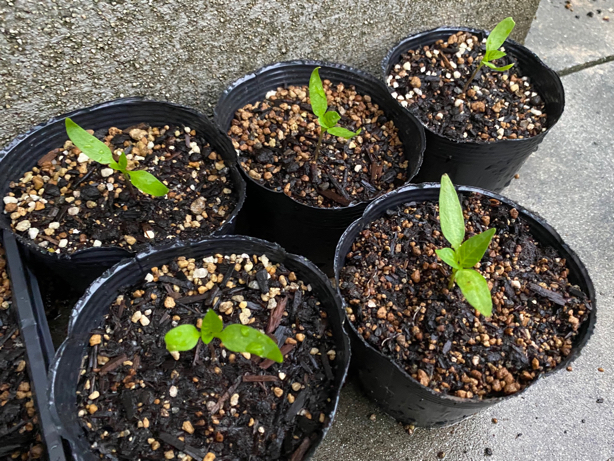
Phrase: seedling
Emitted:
{"points": [[463, 255], [327, 120], [100, 152], [237, 338], [494, 41]]}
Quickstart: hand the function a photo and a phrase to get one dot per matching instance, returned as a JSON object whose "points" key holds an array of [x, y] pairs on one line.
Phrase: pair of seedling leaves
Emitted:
{"points": [[495, 40], [463, 255], [100, 152], [235, 337], [327, 119]]}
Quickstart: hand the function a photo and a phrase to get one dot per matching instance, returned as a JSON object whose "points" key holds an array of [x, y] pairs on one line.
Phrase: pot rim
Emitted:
{"points": [[22, 138], [141, 263], [523, 212], [513, 45], [315, 63]]}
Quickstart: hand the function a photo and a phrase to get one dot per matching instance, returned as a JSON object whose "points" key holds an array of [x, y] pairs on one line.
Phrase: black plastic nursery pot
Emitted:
{"points": [[489, 165], [91, 309], [80, 268], [387, 383], [34, 335], [271, 215]]}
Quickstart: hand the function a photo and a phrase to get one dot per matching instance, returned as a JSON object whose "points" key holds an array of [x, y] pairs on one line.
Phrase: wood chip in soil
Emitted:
{"points": [[497, 105], [211, 401], [276, 140], [19, 432], [396, 288], [68, 202]]}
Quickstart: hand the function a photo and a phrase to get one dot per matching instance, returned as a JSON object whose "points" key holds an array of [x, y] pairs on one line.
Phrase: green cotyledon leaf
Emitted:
{"points": [[475, 290], [448, 256], [450, 213], [241, 338], [491, 55], [500, 69], [499, 34], [148, 183], [329, 119], [471, 251], [342, 132], [88, 144], [317, 96], [182, 338], [211, 326]]}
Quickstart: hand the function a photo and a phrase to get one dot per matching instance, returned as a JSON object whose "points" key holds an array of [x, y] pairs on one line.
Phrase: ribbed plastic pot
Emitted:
{"points": [[35, 336], [302, 229], [91, 309], [388, 384], [82, 267], [489, 165]]}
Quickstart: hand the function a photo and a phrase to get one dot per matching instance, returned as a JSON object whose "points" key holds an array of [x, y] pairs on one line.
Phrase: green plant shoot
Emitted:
{"points": [[327, 120], [100, 152], [235, 337], [463, 255], [494, 41]]}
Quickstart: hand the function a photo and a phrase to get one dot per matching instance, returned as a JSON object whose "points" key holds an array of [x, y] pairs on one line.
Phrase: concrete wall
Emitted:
{"points": [[59, 55]]}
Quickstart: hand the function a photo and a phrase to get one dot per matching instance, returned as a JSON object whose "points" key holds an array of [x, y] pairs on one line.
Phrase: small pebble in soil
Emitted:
{"points": [[67, 202], [276, 140], [209, 403], [497, 105]]}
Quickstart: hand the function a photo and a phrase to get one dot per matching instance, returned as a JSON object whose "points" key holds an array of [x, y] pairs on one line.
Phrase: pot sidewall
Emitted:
{"points": [[490, 165], [389, 384]]}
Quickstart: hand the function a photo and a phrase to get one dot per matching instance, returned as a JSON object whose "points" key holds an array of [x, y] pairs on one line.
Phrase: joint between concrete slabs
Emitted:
{"points": [[586, 65]]}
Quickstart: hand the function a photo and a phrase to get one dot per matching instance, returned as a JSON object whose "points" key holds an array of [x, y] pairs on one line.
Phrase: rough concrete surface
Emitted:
{"points": [[60, 55], [569, 182], [53, 60], [563, 40]]}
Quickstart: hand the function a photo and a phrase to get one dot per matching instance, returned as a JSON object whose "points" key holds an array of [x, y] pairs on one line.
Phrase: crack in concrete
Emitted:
{"points": [[586, 65]]}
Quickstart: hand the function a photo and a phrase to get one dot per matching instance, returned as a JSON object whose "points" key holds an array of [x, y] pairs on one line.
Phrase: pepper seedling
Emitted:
{"points": [[327, 120], [100, 152], [494, 41], [235, 337], [463, 255]]}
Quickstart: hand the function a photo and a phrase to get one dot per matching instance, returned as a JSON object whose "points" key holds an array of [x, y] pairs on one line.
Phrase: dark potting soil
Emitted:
{"points": [[136, 401], [19, 435], [397, 290], [497, 105], [276, 140], [69, 202]]}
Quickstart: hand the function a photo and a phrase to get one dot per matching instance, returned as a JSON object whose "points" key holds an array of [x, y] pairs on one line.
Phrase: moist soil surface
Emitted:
{"points": [[397, 290], [276, 140], [69, 202], [497, 105], [136, 401], [19, 436]]}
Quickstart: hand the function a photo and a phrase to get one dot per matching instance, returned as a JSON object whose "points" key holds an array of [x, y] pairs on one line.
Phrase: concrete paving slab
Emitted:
{"points": [[569, 181], [563, 40]]}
